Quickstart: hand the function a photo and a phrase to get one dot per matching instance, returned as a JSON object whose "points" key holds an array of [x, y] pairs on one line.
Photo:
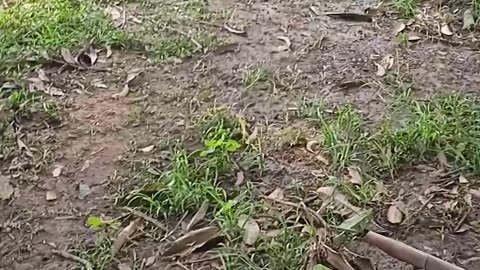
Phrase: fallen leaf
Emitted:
{"points": [[201, 213], [277, 194], [132, 74], [380, 70], [150, 261], [337, 260], [355, 176], [315, 10], [50, 195], [320, 267], [42, 75], [122, 93], [192, 241], [322, 159], [468, 19], [147, 149], [6, 190], [414, 37], [287, 45], [109, 52], [23, 147], [83, 191], [233, 30], [355, 17], [68, 57], [358, 222], [311, 145], [86, 165], [57, 171], [394, 215], [87, 57], [252, 137], [462, 180], [252, 230], [124, 236], [340, 200], [463, 228], [445, 29], [116, 15], [240, 178], [399, 27]]}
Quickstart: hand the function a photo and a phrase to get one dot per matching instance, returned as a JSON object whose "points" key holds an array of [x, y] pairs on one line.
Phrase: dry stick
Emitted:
{"points": [[407, 253], [307, 210], [147, 218], [69, 256]]}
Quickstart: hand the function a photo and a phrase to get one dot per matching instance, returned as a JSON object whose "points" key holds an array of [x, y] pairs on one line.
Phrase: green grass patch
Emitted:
{"points": [[256, 78], [415, 131], [476, 9], [406, 8], [30, 28]]}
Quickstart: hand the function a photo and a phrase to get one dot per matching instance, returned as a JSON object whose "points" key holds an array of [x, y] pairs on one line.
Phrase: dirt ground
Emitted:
{"points": [[98, 140]]}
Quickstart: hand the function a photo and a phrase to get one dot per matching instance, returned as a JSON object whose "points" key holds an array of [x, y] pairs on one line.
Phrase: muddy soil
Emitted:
{"points": [[94, 144]]}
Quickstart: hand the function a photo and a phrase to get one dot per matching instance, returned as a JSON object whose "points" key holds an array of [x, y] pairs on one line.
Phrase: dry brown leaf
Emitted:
{"points": [[311, 146], [147, 149], [23, 147], [252, 137], [445, 29], [380, 70], [150, 261], [414, 37], [87, 57], [387, 61], [355, 176], [322, 159], [277, 194], [109, 52], [463, 180], [340, 200], [287, 45], [240, 178], [124, 236], [235, 31], [252, 230], [122, 93], [68, 57], [337, 260], [51, 195], [468, 19], [57, 171], [192, 241], [6, 190], [399, 27], [201, 213], [132, 74], [394, 215], [116, 14], [86, 164]]}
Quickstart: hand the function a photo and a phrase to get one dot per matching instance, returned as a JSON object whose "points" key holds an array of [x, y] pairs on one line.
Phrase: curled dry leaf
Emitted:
{"points": [[414, 37], [399, 27], [252, 230], [201, 213], [6, 190], [380, 70], [355, 176], [445, 30], [394, 215], [124, 236], [147, 149], [313, 146], [277, 194], [287, 45], [468, 19], [235, 31], [150, 261], [87, 57], [240, 178], [122, 93], [132, 74], [192, 241]]}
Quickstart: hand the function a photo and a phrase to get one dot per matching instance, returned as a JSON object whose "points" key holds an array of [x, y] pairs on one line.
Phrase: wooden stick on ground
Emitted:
{"points": [[72, 257], [408, 254]]}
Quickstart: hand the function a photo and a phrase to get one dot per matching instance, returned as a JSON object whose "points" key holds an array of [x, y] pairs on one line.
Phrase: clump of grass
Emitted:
{"points": [[402, 39], [31, 27], [256, 77], [181, 46], [476, 9], [406, 8]]}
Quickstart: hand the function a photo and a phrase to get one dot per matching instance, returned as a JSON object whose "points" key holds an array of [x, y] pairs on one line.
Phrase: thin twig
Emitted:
{"points": [[72, 257], [306, 209], [147, 218]]}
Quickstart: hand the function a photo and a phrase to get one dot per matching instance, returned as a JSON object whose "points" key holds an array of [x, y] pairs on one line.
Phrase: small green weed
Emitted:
{"points": [[258, 77], [100, 256], [31, 27], [407, 8], [402, 40], [181, 46], [476, 9]]}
